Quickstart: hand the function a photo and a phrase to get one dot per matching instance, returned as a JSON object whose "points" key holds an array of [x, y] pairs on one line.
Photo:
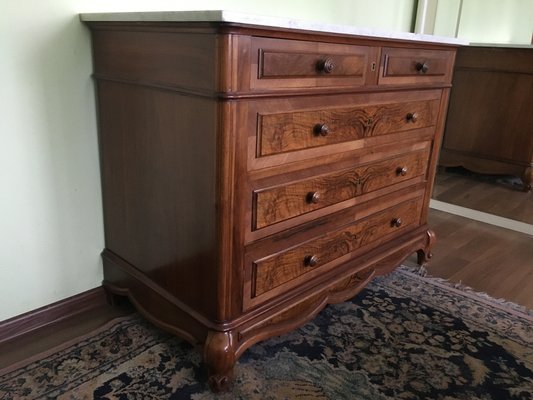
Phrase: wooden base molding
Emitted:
{"points": [[51, 314]]}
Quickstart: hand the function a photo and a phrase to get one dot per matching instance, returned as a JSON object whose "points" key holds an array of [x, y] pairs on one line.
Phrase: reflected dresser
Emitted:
{"points": [[489, 127], [254, 171]]}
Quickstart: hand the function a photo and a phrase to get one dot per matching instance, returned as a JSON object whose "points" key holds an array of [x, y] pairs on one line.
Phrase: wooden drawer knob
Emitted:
{"points": [[321, 129], [397, 222], [326, 65], [422, 67], [401, 171], [413, 117], [313, 197], [311, 261]]}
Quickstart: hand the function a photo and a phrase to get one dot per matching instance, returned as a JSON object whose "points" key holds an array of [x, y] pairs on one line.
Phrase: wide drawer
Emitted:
{"points": [[284, 132], [273, 271], [413, 66], [280, 63], [279, 203]]}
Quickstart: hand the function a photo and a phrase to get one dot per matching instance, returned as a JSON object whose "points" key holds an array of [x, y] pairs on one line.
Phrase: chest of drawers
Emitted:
{"points": [[251, 175]]}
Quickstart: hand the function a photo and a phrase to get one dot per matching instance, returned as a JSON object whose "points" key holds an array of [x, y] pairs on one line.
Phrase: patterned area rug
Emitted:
{"points": [[403, 337]]}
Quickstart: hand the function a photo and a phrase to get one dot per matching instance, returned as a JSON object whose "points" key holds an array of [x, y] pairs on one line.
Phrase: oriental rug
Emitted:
{"points": [[403, 337]]}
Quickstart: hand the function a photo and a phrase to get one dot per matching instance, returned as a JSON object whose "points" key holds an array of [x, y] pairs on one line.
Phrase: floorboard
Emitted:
{"points": [[500, 196]]}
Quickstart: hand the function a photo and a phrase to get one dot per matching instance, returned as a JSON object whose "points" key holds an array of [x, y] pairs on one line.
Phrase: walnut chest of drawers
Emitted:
{"points": [[252, 174]]}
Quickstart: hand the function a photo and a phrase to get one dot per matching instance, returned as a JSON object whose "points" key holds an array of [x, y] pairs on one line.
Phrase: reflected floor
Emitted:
{"points": [[498, 195]]}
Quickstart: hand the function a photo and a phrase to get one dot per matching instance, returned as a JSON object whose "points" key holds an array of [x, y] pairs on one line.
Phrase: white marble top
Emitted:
{"points": [[251, 19]]}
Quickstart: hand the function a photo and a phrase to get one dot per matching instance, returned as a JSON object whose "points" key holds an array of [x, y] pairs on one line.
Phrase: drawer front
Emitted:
{"points": [[284, 132], [280, 203], [410, 66], [278, 269], [279, 63]]}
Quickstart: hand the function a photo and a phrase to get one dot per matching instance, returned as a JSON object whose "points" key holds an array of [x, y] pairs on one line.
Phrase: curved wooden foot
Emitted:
{"points": [[424, 254], [527, 178], [219, 355]]}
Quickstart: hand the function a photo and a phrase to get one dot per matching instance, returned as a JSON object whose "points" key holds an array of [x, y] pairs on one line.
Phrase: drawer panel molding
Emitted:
{"points": [[273, 271], [284, 132], [410, 66], [286, 201], [285, 64]]}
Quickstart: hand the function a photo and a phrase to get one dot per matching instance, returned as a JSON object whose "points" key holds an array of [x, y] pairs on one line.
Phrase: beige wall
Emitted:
{"points": [[51, 229]]}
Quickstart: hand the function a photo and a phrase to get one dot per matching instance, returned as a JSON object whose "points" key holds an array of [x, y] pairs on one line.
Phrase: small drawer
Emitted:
{"points": [[279, 63], [284, 132], [409, 66], [278, 269], [289, 200]]}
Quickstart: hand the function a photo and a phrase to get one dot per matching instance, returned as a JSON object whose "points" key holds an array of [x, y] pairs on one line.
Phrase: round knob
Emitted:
{"points": [[397, 222], [422, 67], [313, 197], [311, 261], [321, 129], [401, 171], [327, 65], [413, 117]]}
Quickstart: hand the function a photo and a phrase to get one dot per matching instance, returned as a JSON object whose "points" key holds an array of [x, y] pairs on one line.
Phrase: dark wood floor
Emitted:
{"points": [[487, 258], [498, 196]]}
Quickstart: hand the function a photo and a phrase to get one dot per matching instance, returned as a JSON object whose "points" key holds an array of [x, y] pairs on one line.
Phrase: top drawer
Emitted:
{"points": [[412, 66], [284, 64]]}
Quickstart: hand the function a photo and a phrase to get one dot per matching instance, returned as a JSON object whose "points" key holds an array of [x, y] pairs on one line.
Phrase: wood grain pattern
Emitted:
{"points": [[279, 133], [289, 200], [285, 65], [250, 113], [400, 66], [282, 64], [277, 269], [145, 196], [150, 57]]}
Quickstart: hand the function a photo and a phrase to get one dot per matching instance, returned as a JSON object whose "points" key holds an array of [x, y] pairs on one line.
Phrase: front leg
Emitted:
{"points": [[219, 356], [424, 254]]}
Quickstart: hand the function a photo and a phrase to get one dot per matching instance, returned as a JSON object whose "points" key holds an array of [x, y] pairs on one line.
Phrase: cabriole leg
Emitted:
{"points": [[424, 254], [219, 356]]}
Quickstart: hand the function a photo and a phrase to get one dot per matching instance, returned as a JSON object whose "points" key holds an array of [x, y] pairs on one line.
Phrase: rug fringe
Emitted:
{"points": [[422, 272]]}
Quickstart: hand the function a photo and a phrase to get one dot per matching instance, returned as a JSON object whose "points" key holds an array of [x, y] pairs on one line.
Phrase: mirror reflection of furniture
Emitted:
{"points": [[490, 122], [489, 131]]}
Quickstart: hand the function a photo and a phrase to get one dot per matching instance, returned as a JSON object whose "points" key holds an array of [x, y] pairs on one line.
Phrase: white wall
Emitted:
{"points": [[51, 230]]}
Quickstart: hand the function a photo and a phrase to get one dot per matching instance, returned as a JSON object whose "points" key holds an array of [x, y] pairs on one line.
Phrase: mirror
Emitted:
{"points": [[486, 161]]}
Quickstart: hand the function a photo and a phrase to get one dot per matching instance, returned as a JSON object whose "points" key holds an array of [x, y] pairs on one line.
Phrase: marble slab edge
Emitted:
{"points": [[260, 20]]}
